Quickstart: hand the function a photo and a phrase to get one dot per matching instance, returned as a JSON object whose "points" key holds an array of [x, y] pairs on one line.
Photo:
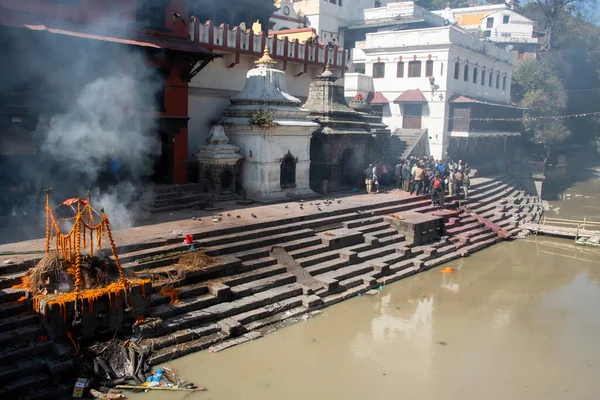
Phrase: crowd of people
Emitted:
{"points": [[424, 175]]}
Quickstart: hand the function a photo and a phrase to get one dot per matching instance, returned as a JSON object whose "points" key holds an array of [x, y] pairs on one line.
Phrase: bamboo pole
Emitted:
{"points": [[135, 387]]}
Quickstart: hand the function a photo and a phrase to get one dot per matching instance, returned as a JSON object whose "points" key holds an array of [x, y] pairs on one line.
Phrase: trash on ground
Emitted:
{"points": [[447, 270]]}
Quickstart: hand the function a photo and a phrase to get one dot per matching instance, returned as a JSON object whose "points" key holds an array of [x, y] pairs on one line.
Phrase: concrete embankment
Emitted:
{"points": [[248, 292]]}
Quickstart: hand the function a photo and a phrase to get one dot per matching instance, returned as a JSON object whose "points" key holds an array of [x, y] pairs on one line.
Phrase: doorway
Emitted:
{"points": [[412, 116]]}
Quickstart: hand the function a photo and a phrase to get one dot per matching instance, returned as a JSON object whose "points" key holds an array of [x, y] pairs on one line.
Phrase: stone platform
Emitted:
{"points": [[348, 248]]}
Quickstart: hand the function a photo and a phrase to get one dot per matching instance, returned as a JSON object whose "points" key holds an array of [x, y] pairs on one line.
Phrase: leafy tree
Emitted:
{"points": [[538, 89]]}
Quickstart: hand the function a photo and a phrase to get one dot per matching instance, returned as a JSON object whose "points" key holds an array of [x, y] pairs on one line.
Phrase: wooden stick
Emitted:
{"points": [[198, 389]]}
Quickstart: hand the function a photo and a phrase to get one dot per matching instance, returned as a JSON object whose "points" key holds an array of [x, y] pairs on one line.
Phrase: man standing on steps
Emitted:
{"points": [[418, 178], [369, 178], [437, 191], [458, 182], [398, 174], [466, 184], [406, 176]]}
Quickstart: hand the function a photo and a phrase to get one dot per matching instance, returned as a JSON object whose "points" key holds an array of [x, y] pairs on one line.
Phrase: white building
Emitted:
{"points": [[499, 24], [286, 17], [328, 17], [442, 80]]}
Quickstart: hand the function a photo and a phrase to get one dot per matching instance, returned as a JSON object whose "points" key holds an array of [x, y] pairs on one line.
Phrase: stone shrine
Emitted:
{"points": [[339, 147], [219, 162], [273, 133], [379, 131]]}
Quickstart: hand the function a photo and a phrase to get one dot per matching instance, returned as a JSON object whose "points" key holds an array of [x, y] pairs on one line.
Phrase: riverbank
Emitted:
{"points": [[516, 321], [347, 248]]}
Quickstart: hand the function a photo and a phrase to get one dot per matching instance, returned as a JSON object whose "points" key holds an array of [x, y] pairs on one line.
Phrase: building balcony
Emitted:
{"points": [[511, 37], [235, 42]]}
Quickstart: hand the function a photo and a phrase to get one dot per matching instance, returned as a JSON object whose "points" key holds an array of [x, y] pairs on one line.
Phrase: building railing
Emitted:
{"points": [[239, 41]]}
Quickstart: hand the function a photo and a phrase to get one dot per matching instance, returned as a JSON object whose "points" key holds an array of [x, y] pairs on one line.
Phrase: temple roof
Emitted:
{"points": [[379, 98], [411, 96]]}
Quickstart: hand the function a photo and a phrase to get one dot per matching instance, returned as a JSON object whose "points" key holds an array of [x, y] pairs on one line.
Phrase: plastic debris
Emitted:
{"points": [[447, 270], [154, 379]]}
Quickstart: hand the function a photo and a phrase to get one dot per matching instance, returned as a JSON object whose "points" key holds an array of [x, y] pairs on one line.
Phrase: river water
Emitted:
{"points": [[519, 320]]}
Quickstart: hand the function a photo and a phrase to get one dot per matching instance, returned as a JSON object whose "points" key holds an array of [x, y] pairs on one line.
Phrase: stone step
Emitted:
{"points": [[260, 285], [18, 321], [400, 273], [309, 251], [21, 335], [344, 273], [258, 248], [447, 257], [318, 258], [358, 280], [201, 313], [253, 275], [9, 280], [13, 308], [55, 391], [20, 351], [362, 222], [184, 200], [183, 292], [11, 295], [326, 266], [259, 262], [374, 227], [22, 367], [16, 387], [334, 298]]}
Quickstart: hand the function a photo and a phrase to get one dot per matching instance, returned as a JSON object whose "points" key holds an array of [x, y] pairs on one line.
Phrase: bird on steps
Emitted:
{"points": [[254, 216]]}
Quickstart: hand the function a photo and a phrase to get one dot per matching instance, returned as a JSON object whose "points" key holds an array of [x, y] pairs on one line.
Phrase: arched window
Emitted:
{"points": [[400, 69], [287, 176], [483, 77], [475, 75], [378, 70], [456, 70], [498, 81], [414, 69], [466, 73], [504, 83], [491, 78], [429, 68]]}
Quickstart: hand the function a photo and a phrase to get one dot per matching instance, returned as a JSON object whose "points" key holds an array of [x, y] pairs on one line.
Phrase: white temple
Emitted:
{"points": [[273, 134]]}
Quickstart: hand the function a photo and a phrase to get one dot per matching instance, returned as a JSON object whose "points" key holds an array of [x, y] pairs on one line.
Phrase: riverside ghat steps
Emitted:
{"points": [[247, 292]]}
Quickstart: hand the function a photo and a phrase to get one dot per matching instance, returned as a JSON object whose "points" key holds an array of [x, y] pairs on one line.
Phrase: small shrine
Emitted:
{"points": [[379, 131], [78, 290], [219, 162], [338, 148], [273, 134]]}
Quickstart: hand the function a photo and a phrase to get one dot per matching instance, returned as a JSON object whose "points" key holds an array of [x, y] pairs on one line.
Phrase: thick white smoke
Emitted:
{"points": [[105, 124]]}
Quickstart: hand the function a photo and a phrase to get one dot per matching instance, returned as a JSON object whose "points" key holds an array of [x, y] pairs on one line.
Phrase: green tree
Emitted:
{"points": [[538, 89]]}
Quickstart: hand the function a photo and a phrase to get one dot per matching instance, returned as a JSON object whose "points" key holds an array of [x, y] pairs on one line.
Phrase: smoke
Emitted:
{"points": [[102, 128], [97, 134]]}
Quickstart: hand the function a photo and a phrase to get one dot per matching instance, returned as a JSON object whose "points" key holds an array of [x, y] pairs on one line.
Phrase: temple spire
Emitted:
{"points": [[266, 58]]}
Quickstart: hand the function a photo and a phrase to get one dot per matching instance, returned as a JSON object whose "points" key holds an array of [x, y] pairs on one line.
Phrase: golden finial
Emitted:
{"points": [[266, 58]]}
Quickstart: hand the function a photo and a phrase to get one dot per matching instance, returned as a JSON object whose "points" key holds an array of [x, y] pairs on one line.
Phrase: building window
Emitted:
{"points": [[377, 4], [378, 70], [506, 34], [332, 1], [490, 80], [505, 19], [483, 77], [497, 81], [504, 83], [339, 2], [150, 13], [489, 24], [400, 70], [475, 75], [414, 69], [521, 55], [456, 70], [429, 68], [287, 176], [466, 73]]}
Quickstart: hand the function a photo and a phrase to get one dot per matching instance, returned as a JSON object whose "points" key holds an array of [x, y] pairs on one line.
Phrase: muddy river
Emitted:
{"points": [[517, 321]]}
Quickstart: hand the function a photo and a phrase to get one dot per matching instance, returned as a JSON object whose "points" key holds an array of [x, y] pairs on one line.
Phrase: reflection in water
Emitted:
{"points": [[512, 322]]}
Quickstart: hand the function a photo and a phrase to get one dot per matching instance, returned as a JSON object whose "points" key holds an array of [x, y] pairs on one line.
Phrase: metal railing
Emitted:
{"points": [[579, 225]]}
